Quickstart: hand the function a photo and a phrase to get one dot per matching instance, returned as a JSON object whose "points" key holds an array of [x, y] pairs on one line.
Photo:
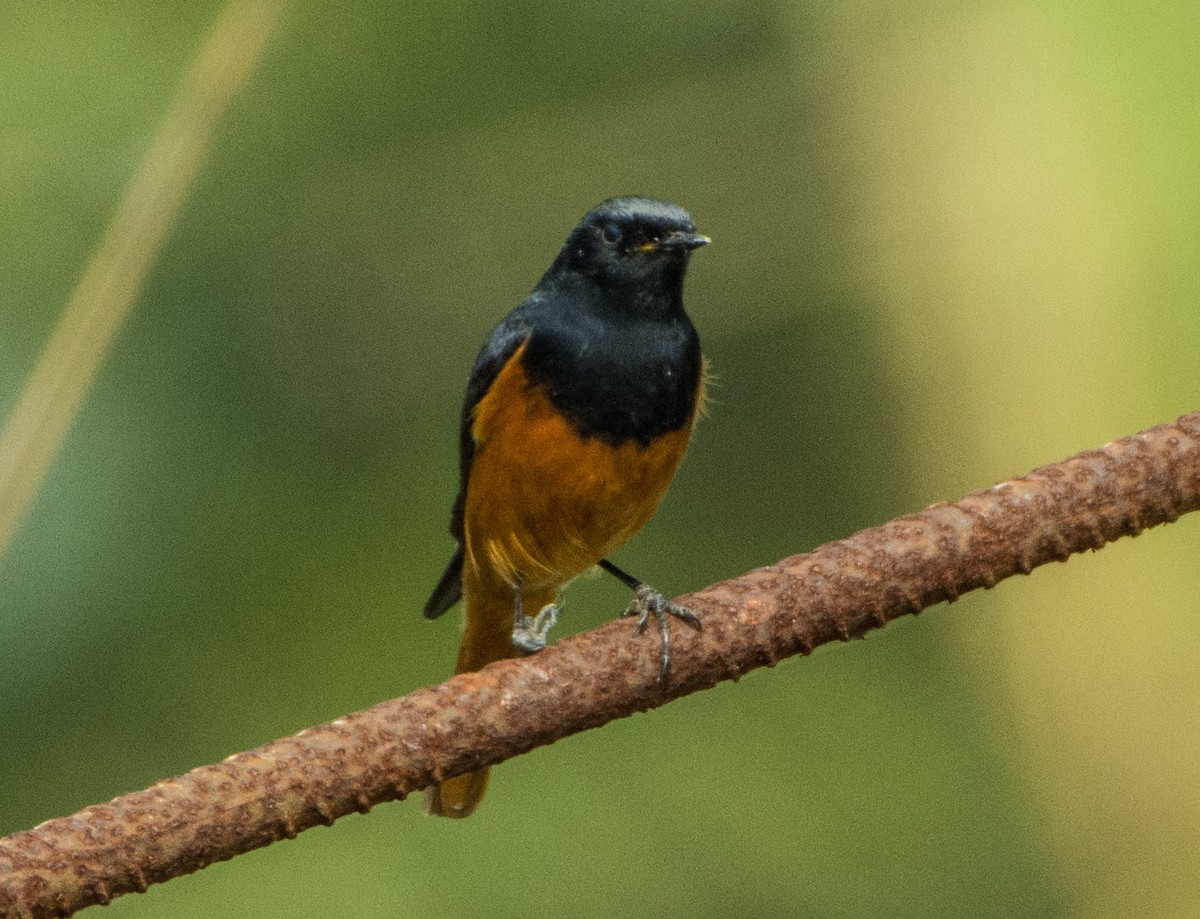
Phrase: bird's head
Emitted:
{"points": [[630, 244]]}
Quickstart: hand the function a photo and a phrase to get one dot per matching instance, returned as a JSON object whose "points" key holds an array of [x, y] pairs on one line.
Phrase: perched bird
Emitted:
{"points": [[577, 414]]}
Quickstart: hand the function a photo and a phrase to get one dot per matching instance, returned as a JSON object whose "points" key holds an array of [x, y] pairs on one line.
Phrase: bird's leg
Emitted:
{"points": [[649, 602], [529, 635]]}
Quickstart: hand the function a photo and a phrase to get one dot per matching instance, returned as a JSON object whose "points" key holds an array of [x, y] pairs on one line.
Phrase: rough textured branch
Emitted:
{"points": [[839, 591]]}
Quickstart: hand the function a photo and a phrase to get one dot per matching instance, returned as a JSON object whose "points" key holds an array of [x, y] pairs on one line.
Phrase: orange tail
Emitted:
{"points": [[486, 638]]}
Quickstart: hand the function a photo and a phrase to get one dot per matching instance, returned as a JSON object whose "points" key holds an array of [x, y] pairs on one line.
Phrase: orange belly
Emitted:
{"points": [[543, 503]]}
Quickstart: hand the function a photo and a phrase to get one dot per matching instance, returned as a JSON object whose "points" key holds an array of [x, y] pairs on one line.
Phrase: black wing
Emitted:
{"points": [[505, 339]]}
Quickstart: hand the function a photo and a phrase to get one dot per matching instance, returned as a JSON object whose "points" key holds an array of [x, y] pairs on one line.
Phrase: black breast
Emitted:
{"points": [[632, 381]]}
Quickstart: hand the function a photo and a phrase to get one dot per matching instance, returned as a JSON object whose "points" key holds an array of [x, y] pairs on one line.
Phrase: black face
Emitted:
{"points": [[632, 241]]}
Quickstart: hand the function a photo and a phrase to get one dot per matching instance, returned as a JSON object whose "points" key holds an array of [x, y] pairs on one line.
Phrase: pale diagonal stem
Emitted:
{"points": [[117, 270]]}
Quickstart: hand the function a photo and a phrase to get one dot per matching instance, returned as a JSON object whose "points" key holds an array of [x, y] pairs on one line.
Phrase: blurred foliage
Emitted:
{"points": [[953, 241]]}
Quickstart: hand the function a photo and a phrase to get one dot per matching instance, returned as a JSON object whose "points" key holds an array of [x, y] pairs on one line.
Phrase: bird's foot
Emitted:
{"points": [[649, 602], [529, 634]]}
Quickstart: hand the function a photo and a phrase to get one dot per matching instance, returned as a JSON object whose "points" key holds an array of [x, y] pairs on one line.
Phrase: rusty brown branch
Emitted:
{"points": [[839, 591]]}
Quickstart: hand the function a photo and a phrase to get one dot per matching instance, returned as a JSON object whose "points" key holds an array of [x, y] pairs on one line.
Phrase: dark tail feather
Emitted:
{"points": [[449, 588]]}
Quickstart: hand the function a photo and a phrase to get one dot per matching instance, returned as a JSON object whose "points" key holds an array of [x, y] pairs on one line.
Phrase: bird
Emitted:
{"points": [[577, 414]]}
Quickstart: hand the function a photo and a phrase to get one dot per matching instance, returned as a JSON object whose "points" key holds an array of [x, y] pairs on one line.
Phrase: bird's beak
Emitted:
{"points": [[680, 239]]}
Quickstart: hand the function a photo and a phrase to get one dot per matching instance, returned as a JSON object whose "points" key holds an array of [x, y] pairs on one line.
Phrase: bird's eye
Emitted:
{"points": [[611, 233]]}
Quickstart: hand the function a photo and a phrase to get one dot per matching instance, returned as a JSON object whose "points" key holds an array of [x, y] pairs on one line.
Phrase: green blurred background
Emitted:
{"points": [[952, 241]]}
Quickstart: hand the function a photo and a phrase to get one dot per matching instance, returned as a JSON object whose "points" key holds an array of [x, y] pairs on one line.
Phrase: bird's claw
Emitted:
{"points": [[649, 602], [529, 634]]}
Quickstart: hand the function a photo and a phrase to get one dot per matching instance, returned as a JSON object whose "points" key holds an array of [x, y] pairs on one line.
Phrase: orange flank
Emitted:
{"points": [[543, 505]]}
